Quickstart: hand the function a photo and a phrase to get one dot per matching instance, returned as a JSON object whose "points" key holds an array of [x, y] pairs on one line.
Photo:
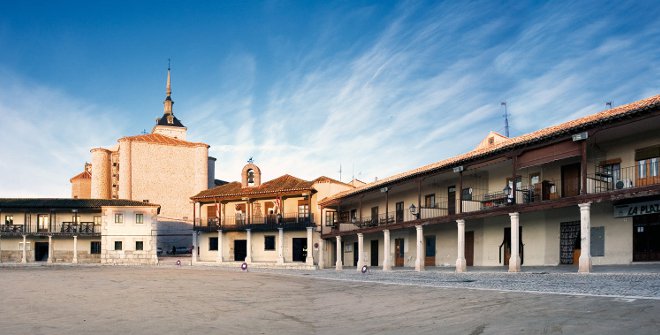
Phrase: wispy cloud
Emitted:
{"points": [[46, 137], [425, 85], [415, 94]]}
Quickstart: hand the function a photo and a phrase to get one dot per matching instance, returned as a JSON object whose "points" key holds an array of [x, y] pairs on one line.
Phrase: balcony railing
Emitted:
{"points": [[623, 178], [64, 228], [269, 222]]}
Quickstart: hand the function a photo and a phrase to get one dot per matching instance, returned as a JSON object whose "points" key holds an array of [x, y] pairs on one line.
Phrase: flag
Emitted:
{"points": [[217, 210], [278, 203]]}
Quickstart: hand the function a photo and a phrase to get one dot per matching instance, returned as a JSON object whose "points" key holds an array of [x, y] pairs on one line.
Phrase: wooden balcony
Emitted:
{"points": [[288, 221]]}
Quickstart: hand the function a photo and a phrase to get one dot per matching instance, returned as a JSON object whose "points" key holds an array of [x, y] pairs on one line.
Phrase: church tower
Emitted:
{"points": [[168, 124]]}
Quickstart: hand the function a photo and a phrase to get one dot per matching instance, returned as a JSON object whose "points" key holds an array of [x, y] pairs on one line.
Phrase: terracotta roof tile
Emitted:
{"points": [[285, 183], [161, 139], [69, 203], [83, 175], [533, 137]]}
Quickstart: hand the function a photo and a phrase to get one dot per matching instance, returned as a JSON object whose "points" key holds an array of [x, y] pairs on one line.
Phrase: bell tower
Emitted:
{"points": [[168, 124]]}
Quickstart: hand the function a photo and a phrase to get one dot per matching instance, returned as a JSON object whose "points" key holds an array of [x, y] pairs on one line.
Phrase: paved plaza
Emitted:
{"points": [[209, 300]]}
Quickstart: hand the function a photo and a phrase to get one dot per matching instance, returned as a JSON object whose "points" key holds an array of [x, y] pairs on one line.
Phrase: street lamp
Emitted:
{"points": [[507, 192], [414, 211]]}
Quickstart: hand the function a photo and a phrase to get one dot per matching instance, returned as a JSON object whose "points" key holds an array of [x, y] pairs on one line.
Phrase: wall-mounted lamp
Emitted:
{"points": [[384, 189], [458, 169], [581, 136], [414, 211]]}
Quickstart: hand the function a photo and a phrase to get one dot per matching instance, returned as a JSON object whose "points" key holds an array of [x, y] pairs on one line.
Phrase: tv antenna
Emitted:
{"points": [[608, 104], [506, 119]]}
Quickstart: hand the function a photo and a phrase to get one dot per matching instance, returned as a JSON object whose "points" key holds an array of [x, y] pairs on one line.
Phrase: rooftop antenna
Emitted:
{"points": [[144, 131], [608, 104], [506, 119]]}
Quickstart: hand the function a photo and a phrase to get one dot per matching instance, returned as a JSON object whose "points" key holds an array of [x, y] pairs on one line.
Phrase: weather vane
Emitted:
{"points": [[250, 160]]}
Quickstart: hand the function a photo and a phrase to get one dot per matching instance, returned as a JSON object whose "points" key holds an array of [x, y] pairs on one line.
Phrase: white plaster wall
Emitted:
{"points": [[128, 233]]}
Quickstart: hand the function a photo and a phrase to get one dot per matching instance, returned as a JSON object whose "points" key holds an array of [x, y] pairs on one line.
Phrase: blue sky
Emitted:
{"points": [[304, 86]]}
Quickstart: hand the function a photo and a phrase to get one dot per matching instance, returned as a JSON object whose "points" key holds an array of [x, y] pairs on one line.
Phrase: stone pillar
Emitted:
{"points": [[50, 248], [24, 257], [75, 250], [280, 246], [419, 261], [514, 261], [321, 263], [360, 252], [338, 264], [387, 257], [0, 248], [310, 254], [219, 257], [461, 264], [585, 243], [248, 257]]}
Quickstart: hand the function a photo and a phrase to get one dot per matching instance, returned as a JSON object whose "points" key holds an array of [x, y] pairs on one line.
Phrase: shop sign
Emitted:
{"points": [[640, 208]]}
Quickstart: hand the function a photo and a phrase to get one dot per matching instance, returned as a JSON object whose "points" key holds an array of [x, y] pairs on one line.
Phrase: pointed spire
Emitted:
{"points": [[168, 92]]}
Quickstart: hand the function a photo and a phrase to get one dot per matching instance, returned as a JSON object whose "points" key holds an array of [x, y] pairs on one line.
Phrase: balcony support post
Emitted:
{"points": [[321, 263], [585, 243], [248, 253], [387, 258], [50, 249], [75, 250], [461, 264], [360, 252], [583, 167], [419, 261], [219, 257], [310, 251], [338, 263], [280, 246], [514, 261], [387, 201], [460, 192], [24, 257]]}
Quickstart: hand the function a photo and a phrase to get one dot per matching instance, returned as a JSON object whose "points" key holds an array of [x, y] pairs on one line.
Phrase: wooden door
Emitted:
{"points": [[399, 211], [570, 180], [356, 253], [451, 200], [374, 252], [398, 252], [429, 252], [469, 248]]}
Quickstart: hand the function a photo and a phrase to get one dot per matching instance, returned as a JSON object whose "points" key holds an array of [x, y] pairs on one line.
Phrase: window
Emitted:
{"points": [[269, 242], [95, 248], [213, 243], [303, 209], [97, 220], [139, 218], [118, 245], [139, 245], [353, 214], [534, 178], [330, 218], [9, 219], [466, 194], [647, 165], [429, 200], [119, 218]]}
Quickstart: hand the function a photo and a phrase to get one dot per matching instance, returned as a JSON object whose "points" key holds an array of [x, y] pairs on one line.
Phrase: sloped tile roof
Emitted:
{"points": [[161, 139], [610, 115], [83, 175], [285, 183]]}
